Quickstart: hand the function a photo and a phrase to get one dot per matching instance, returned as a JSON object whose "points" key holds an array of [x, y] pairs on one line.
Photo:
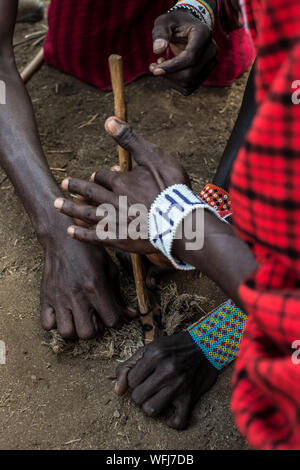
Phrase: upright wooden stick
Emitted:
{"points": [[117, 80]]}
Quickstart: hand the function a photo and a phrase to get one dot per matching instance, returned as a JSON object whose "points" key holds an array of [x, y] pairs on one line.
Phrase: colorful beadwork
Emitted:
{"points": [[198, 8], [216, 197], [219, 334]]}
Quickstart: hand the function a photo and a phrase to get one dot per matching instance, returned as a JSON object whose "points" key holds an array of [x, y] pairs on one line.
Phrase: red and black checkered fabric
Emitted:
{"points": [[265, 195]]}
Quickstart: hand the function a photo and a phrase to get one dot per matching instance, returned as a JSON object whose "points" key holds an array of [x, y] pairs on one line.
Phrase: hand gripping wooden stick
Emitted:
{"points": [[117, 80]]}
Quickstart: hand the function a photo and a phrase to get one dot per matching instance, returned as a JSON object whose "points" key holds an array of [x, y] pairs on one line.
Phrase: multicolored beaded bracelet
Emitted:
{"points": [[219, 334], [216, 197], [199, 8]]}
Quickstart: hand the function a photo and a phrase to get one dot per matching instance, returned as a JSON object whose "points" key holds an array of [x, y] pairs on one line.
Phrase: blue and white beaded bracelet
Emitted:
{"points": [[199, 8], [219, 334], [166, 215]]}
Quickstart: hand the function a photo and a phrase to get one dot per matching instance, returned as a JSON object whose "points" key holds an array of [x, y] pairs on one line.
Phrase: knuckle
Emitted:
{"points": [[170, 367], [125, 138], [90, 285], [74, 186], [156, 353], [113, 178], [89, 191], [89, 213], [160, 22]]}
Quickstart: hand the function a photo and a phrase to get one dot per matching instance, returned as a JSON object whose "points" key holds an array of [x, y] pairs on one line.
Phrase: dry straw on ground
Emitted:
{"points": [[177, 312]]}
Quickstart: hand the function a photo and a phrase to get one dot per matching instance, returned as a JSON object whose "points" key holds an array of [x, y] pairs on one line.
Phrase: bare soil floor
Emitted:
{"points": [[65, 401]]}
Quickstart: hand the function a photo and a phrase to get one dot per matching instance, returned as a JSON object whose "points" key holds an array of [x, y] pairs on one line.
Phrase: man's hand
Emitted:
{"points": [[195, 51], [154, 172], [169, 375], [80, 291]]}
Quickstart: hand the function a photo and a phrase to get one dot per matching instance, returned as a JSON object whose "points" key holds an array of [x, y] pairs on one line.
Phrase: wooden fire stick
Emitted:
{"points": [[117, 80]]}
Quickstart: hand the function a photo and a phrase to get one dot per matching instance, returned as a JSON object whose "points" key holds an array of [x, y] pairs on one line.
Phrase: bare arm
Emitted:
{"points": [[21, 154], [79, 289]]}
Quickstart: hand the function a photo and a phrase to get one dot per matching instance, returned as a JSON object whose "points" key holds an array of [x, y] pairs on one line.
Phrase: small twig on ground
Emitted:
{"points": [[90, 122], [72, 442], [59, 151], [38, 36], [58, 169]]}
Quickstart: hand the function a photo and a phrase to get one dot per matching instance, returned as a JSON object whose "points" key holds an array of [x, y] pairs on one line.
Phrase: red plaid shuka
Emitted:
{"points": [[83, 33], [265, 194]]}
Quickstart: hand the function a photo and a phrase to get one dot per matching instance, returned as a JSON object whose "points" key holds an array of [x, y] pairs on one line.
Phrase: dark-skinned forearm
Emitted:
{"points": [[21, 154], [224, 258]]}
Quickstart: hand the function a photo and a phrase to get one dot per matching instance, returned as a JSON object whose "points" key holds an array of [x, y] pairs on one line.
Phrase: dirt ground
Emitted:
{"points": [[66, 401]]}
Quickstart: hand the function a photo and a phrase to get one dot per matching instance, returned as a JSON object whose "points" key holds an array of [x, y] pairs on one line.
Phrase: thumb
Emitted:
{"points": [[123, 370], [161, 34], [127, 138], [180, 418]]}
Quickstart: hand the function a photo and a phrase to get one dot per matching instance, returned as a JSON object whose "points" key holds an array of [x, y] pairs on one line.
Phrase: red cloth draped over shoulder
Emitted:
{"points": [[265, 194], [83, 33]]}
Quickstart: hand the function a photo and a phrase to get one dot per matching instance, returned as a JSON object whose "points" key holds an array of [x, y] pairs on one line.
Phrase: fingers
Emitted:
{"points": [[48, 319], [161, 33], [183, 407], [83, 212], [122, 372], [105, 178], [155, 273], [121, 386], [64, 321], [197, 40], [88, 190], [189, 79], [98, 324], [127, 138], [155, 69], [113, 273], [159, 402], [105, 305], [141, 372], [83, 234], [147, 388], [84, 324]]}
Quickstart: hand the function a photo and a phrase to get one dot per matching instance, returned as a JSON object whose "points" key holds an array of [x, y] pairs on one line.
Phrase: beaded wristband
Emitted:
{"points": [[202, 10], [166, 214], [216, 197], [219, 334]]}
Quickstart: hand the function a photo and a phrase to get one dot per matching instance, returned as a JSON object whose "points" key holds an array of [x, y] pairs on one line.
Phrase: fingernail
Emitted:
{"points": [[71, 231], [158, 71], [115, 168], [93, 176], [65, 184], [58, 203], [159, 44], [113, 126]]}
